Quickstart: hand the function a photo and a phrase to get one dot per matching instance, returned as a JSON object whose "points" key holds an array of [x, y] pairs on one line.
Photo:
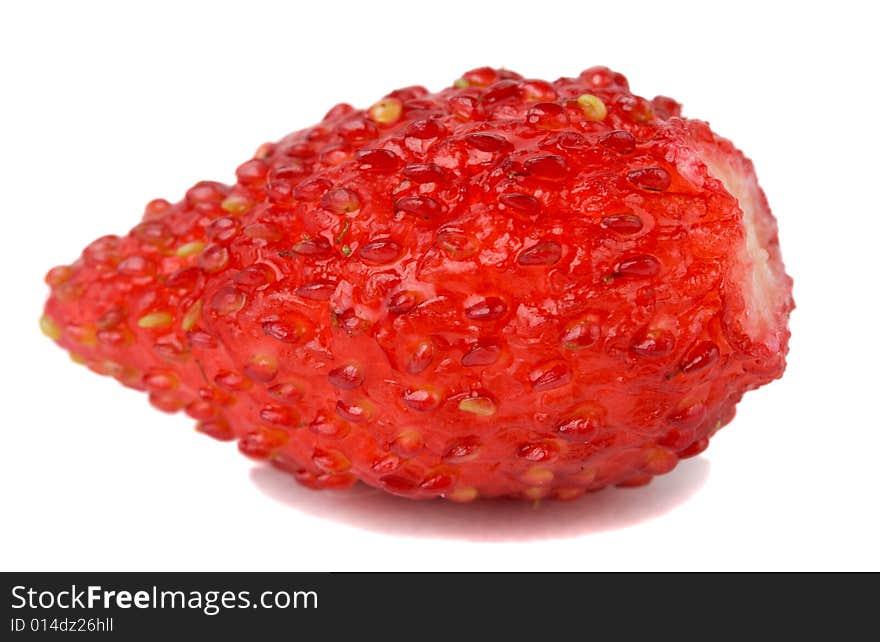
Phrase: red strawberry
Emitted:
{"points": [[510, 287]]}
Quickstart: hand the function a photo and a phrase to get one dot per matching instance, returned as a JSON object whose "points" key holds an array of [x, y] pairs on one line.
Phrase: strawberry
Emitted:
{"points": [[508, 288]]}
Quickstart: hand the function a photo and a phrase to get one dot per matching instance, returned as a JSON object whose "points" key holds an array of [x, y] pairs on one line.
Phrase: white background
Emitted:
{"points": [[105, 106]]}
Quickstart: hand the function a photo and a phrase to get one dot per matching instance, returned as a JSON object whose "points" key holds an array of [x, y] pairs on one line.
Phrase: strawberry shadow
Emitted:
{"points": [[499, 520]]}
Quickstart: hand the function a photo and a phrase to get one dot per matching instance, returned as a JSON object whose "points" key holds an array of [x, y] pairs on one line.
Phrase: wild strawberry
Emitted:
{"points": [[510, 287]]}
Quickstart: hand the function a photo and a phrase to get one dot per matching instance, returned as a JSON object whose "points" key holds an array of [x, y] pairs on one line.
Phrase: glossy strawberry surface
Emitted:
{"points": [[508, 288]]}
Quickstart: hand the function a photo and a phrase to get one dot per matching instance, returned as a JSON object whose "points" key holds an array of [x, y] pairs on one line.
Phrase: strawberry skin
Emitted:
{"points": [[508, 288]]}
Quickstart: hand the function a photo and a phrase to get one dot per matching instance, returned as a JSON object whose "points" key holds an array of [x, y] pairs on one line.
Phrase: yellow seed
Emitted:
{"points": [[536, 494], [461, 83], [537, 476], [409, 441], [127, 375], [77, 358], [58, 275], [190, 248], [264, 361], [86, 336], [478, 406], [112, 368], [235, 204], [386, 111], [593, 107], [154, 320], [192, 315], [50, 328], [463, 494], [569, 493], [264, 151]]}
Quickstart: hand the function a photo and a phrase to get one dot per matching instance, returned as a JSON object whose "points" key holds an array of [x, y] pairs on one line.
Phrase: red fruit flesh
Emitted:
{"points": [[507, 288]]}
